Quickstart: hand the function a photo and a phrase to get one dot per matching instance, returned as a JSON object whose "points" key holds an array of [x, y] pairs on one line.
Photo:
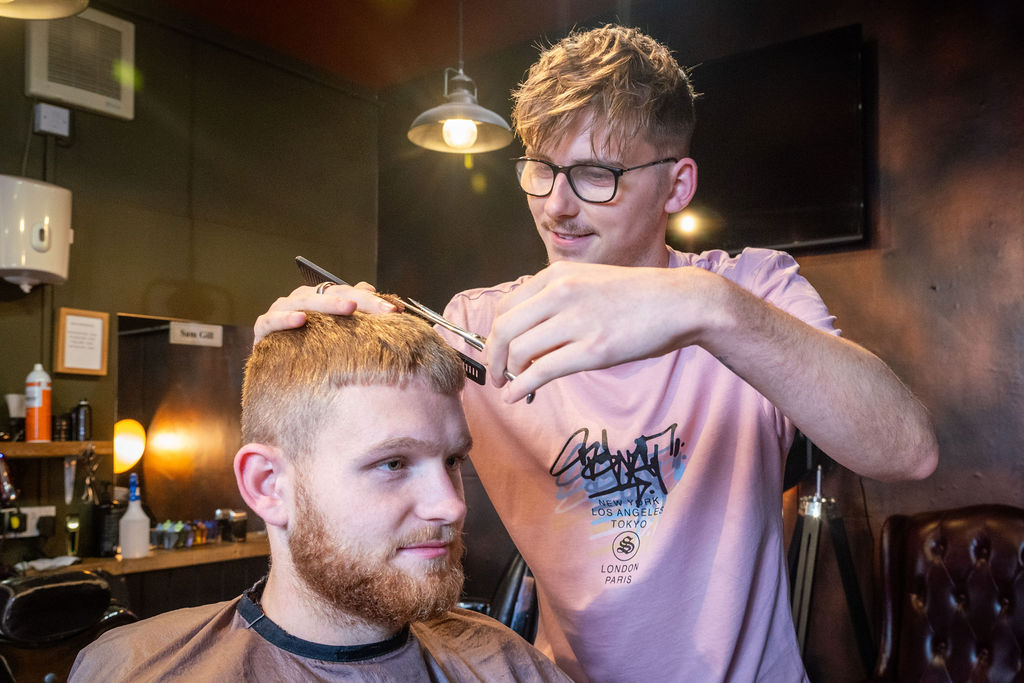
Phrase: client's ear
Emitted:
{"points": [[261, 472]]}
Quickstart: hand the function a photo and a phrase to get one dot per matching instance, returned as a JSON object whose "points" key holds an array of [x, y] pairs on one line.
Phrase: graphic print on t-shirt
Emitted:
{"points": [[625, 490]]}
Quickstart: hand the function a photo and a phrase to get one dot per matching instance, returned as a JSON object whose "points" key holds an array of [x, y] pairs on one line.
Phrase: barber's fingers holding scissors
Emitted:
{"points": [[572, 317], [288, 311]]}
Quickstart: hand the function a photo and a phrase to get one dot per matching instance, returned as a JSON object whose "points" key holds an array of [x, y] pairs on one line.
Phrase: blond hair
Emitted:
{"points": [[625, 82], [293, 376]]}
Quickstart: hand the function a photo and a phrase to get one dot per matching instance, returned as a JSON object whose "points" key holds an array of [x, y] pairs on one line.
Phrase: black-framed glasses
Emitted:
{"points": [[593, 183]]}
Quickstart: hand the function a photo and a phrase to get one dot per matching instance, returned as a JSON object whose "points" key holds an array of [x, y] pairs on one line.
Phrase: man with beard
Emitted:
{"points": [[355, 438]]}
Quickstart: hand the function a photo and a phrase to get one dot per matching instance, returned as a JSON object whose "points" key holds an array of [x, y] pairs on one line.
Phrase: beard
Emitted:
{"points": [[359, 579]]}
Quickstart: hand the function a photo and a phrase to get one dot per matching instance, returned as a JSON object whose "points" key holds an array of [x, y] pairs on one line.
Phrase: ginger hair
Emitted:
{"points": [[293, 377]]}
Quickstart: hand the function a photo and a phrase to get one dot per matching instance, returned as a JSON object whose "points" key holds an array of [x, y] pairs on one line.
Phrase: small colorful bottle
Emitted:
{"points": [[38, 416]]}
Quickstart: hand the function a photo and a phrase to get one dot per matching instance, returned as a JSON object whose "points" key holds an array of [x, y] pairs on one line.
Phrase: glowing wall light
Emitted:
{"points": [[129, 444]]}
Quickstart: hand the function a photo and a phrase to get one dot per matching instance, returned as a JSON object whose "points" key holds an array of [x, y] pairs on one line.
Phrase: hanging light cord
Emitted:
{"points": [[460, 36]]}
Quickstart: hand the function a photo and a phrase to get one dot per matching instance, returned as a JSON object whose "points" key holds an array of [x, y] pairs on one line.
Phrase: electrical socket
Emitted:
{"points": [[32, 513], [52, 120]]}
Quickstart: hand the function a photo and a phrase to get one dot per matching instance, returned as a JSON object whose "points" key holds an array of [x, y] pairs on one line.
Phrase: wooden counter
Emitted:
{"points": [[53, 449], [255, 545]]}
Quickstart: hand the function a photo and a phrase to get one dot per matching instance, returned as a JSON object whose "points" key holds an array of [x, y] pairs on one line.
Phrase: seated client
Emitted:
{"points": [[355, 437]]}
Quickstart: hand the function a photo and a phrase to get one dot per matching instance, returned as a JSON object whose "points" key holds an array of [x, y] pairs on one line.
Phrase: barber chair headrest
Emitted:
{"points": [[42, 609]]}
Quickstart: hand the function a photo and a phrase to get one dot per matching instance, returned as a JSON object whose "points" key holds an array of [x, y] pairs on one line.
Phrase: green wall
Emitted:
{"points": [[234, 163]]}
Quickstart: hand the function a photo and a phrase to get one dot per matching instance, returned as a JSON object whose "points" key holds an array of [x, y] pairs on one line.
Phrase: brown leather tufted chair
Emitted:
{"points": [[952, 596]]}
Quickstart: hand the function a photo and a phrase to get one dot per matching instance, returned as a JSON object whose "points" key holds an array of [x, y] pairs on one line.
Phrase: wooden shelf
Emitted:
{"points": [[52, 449], [255, 545]]}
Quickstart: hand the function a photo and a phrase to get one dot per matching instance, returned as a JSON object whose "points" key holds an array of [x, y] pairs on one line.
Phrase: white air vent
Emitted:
{"points": [[86, 61]]}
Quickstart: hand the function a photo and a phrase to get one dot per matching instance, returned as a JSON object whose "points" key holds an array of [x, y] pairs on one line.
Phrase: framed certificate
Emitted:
{"points": [[80, 342]]}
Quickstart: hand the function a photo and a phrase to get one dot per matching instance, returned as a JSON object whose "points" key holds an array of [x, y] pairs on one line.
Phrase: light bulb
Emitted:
{"points": [[129, 443], [459, 133]]}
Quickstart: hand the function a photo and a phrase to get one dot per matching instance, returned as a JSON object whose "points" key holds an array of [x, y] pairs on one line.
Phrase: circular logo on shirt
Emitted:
{"points": [[625, 545]]}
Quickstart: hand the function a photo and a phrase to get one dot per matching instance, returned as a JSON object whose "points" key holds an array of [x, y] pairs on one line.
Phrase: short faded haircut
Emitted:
{"points": [[293, 376], [628, 84]]}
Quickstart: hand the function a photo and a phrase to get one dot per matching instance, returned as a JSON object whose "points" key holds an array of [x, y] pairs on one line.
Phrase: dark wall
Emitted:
{"points": [[452, 221], [936, 292], [188, 398]]}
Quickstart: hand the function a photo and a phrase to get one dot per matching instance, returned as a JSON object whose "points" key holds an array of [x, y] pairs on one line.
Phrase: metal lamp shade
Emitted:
{"points": [[492, 130], [41, 9]]}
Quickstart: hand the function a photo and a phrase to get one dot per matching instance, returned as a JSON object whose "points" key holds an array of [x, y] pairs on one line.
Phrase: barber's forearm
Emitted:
{"points": [[845, 399]]}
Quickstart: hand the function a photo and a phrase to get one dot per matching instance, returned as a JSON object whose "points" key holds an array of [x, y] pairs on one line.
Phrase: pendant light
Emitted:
{"points": [[41, 9], [460, 125]]}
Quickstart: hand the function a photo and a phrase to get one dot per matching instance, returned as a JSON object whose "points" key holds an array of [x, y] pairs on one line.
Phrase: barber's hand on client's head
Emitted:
{"points": [[289, 312]]}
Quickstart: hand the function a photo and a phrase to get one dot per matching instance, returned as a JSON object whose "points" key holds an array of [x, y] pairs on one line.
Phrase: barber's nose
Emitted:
{"points": [[442, 498], [562, 201]]}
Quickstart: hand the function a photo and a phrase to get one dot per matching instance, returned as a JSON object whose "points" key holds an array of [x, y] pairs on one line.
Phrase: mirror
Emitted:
{"points": [[183, 381]]}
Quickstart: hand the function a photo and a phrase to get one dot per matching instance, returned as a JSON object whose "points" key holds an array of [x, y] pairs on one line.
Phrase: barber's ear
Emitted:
{"points": [[263, 476], [684, 185]]}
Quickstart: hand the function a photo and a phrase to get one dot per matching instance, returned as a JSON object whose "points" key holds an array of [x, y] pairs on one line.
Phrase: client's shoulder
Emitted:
{"points": [[139, 645], [458, 620], [171, 625], [468, 641]]}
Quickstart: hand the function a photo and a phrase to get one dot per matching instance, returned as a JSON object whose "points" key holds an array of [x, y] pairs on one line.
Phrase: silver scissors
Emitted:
{"points": [[472, 338], [315, 276]]}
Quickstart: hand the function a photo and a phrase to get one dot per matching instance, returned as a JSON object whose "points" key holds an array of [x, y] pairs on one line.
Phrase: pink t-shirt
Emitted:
{"points": [[647, 498]]}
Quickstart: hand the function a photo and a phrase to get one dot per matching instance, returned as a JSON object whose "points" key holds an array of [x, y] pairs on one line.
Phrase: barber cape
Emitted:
{"points": [[236, 641]]}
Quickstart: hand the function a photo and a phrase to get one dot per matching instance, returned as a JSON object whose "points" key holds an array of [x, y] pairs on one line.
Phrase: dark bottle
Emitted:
{"points": [[107, 519], [82, 421]]}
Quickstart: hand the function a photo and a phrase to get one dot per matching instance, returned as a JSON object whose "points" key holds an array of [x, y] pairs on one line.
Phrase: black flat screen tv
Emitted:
{"points": [[780, 146]]}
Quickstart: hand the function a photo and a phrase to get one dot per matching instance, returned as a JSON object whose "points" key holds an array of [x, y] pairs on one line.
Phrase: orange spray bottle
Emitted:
{"points": [[37, 405]]}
